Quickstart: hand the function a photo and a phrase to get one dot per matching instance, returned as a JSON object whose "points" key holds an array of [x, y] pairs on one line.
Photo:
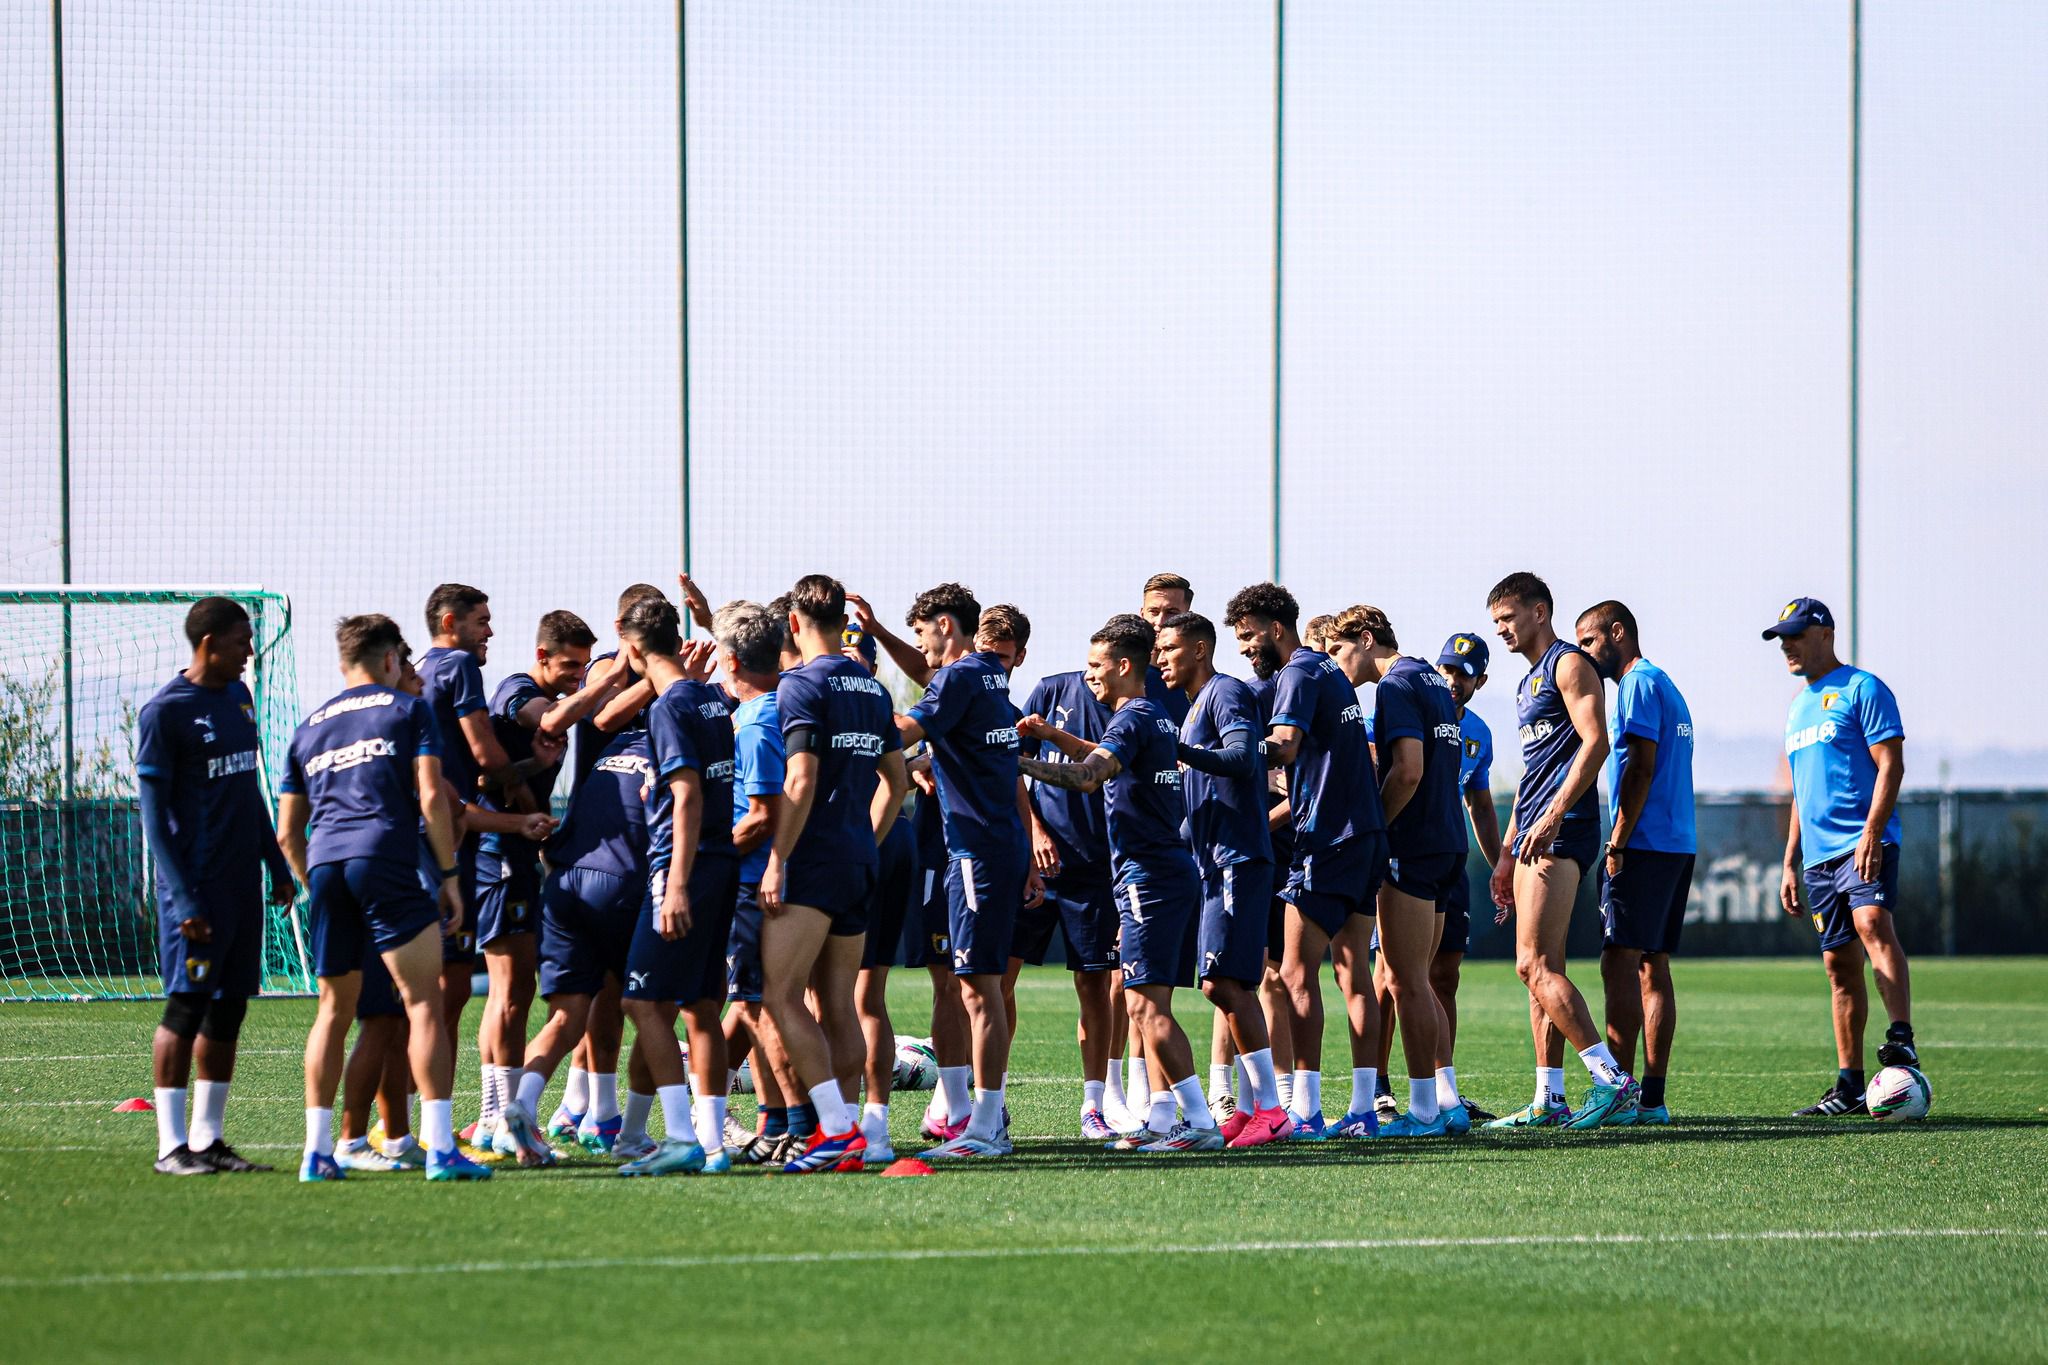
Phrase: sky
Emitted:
{"points": [[372, 297]]}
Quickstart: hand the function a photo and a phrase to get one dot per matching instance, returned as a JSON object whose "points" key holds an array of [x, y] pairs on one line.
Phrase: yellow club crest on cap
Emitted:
{"points": [[1790, 608], [1462, 645]]}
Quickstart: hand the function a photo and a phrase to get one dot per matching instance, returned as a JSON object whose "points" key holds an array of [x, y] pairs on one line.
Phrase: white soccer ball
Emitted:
{"points": [[917, 1066], [1898, 1092], [743, 1079]]}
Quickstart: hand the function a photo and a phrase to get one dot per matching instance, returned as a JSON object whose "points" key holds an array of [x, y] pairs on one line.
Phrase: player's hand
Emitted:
{"points": [[537, 828], [769, 893], [1870, 855], [1033, 726], [1537, 839], [196, 929], [519, 797], [695, 600], [699, 659], [1034, 889], [673, 919], [549, 748], [863, 614], [451, 907], [921, 778], [283, 890], [1045, 854], [1502, 884], [1501, 915], [1613, 863], [1788, 890]]}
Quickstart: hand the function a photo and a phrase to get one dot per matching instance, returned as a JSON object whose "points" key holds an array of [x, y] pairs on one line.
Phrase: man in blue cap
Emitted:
{"points": [[1846, 746]]}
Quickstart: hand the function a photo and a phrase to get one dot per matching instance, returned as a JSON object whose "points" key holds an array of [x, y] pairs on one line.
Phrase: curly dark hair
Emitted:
{"points": [[947, 599], [1264, 601]]}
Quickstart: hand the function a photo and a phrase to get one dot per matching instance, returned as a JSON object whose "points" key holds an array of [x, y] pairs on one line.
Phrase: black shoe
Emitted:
{"points": [[227, 1160], [182, 1160], [1833, 1105], [1478, 1115], [1897, 1050]]}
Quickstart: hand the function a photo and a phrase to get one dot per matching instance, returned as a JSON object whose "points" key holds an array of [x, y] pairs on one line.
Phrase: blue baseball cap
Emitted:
{"points": [[1800, 614], [853, 637], [1467, 652]]}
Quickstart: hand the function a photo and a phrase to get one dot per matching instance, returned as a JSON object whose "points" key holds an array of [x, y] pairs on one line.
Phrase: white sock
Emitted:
{"points": [[530, 1084], [1240, 1078], [828, 1102], [1600, 1064], [1113, 1083], [1091, 1097], [1447, 1096], [487, 1108], [1159, 1118], [709, 1111], [675, 1112], [437, 1125], [1549, 1085], [953, 1084], [1140, 1083], [1283, 1082], [1189, 1093], [1219, 1079], [638, 1107], [361, 1144], [320, 1132], [576, 1094], [209, 1108], [604, 1100], [395, 1147], [170, 1120], [987, 1116], [1260, 1082], [1365, 1083], [874, 1124], [1422, 1098], [1308, 1094]]}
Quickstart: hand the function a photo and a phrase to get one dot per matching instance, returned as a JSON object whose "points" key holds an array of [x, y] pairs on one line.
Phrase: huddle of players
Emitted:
{"points": [[738, 840]]}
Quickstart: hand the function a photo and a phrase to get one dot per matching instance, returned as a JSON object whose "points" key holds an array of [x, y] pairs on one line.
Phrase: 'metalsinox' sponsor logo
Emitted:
{"points": [[351, 755]]}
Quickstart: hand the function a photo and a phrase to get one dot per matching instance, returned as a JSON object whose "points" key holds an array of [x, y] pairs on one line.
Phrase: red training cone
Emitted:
{"points": [[138, 1105], [908, 1165]]}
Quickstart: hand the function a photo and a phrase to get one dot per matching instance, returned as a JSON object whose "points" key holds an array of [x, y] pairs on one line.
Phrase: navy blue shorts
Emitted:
{"points": [[507, 897], [460, 947], [1644, 908], [1231, 939], [895, 900], [1834, 892], [1427, 876], [378, 998], [1579, 841], [843, 893], [1079, 906], [983, 896], [690, 968], [362, 904], [586, 929], [1457, 910], [743, 947], [1159, 919], [929, 941], [230, 963], [1328, 888]]}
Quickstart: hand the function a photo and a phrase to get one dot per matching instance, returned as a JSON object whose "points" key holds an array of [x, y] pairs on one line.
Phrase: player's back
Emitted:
{"points": [[688, 726], [833, 708], [452, 686], [1413, 701], [1331, 783], [353, 759], [605, 828]]}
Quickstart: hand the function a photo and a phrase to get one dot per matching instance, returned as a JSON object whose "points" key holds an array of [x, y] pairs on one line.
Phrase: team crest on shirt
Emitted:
{"points": [[1535, 684], [248, 711], [198, 968], [1790, 608], [1828, 700], [518, 909], [1471, 748]]}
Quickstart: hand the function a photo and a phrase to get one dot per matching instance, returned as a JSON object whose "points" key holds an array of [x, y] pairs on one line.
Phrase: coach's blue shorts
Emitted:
{"points": [[230, 963], [843, 893], [1457, 908], [586, 929], [690, 968], [743, 947], [1079, 906], [1329, 887], [1160, 919], [359, 904], [1644, 908], [507, 897], [1834, 892], [1231, 938], [895, 898], [1427, 876], [984, 893]]}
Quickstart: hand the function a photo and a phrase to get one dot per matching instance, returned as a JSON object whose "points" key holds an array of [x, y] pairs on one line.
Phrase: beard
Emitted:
{"points": [[1266, 660]]}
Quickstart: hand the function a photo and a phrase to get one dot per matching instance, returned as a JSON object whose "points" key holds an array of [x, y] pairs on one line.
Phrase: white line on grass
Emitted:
{"points": [[773, 1258], [131, 1056]]}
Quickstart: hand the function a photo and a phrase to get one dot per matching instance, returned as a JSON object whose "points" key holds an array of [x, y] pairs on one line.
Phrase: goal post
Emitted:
{"points": [[78, 917]]}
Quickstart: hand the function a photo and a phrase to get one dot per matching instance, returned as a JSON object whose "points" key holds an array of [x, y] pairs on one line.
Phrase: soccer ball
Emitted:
{"points": [[917, 1066], [743, 1079], [1898, 1092]]}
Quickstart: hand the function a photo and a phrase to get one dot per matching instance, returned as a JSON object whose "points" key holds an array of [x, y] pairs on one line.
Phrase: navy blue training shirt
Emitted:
{"points": [[1075, 820], [201, 742], [592, 742], [507, 701], [1226, 815], [1262, 690], [689, 727], [353, 760], [452, 684], [605, 829], [1549, 744], [1332, 785], [1143, 800], [1413, 701], [832, 704], [967, 715]]}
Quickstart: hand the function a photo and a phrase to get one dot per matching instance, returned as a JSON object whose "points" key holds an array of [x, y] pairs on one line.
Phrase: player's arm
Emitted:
{"points": [[155, 791], [437, 807], [1283, 745], [757, 826], [901, 652], [889, 792], [1401, 775], [1502, 884], [694, 599], [293, 811], [483, 820], [1633, 792], [1039, 728], [600, 684], [1580, 687], [620, 711], [1890, 757], [686, 820], [1236, 756], [1086, 774], [1485, 824], [1788, 881]]}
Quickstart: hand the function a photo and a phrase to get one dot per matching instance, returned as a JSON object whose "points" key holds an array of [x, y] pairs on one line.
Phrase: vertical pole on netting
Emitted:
{"points": [[1279, 182], [63, 397], [683, 268], [1855, 318]]}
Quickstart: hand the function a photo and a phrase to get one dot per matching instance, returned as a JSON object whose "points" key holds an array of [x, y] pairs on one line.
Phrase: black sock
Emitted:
{"points": [[1899, 1032], [1849, 1082], [1653, 1092]]}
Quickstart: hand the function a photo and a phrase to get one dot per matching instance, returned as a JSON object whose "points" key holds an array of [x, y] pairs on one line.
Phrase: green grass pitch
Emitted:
{"points": [[1735, 1234]]}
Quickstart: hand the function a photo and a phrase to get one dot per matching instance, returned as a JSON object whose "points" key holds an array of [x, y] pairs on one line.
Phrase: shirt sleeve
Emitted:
{"points": [[1294, 701], [1121, 737], [153, 756], [518, 691], [1877, 711], [1638, 709], [670, 740], [294, 778], [1481, 778], [943, 704], [469, 687], [1034, 705], [797, 704], [1396, 714]]}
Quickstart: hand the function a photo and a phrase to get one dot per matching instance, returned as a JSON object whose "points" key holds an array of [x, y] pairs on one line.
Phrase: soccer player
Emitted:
{"points": [[677, 951], [1317, 732], [1136, 766], [1224, 788], [364, 771], [197, 765], [1847, 748], [967, 716], [1646, 872], [1165, 594], [815, 888], [508, 863], [1462, 662], [1552, 841], [1415, 727]]}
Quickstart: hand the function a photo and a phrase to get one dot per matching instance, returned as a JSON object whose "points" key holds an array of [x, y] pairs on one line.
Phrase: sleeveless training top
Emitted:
{"points": [[1549, 744]]}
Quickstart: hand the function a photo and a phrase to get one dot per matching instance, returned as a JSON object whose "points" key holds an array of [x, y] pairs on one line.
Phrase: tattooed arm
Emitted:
{"points": [[1085, 775]]}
